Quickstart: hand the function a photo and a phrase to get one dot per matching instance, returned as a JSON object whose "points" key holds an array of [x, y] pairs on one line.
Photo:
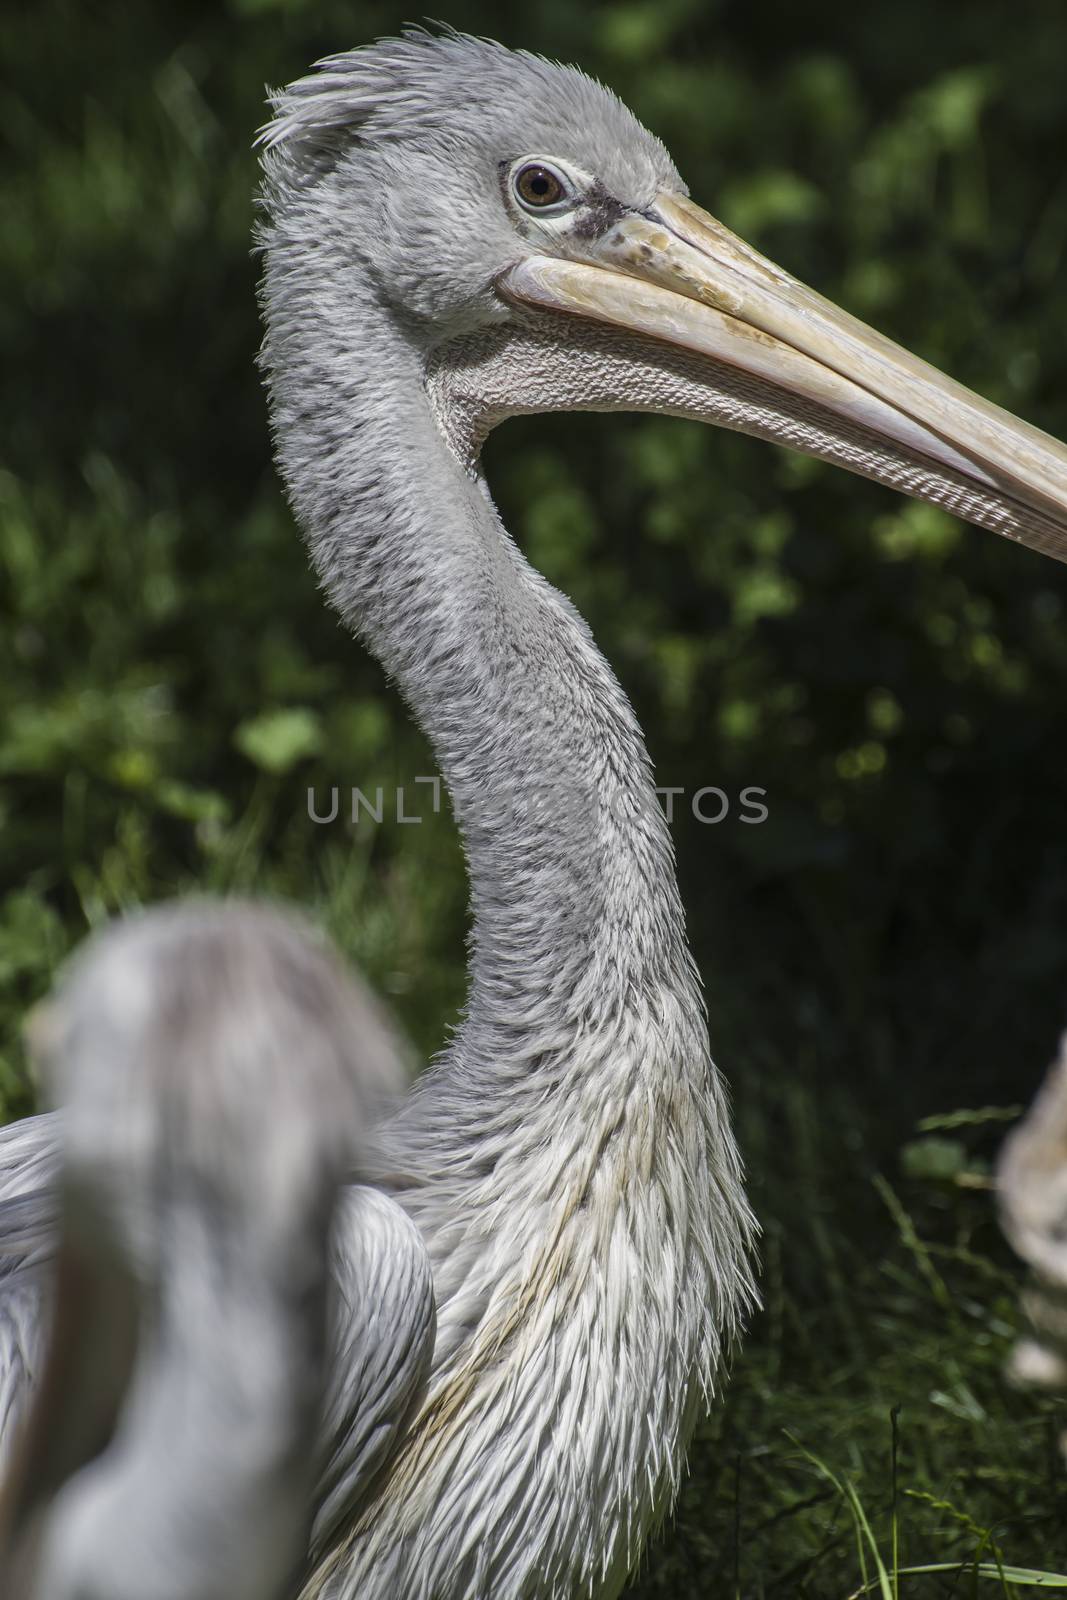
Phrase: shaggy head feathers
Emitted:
{"points": [[460, 97], [385, 165]]}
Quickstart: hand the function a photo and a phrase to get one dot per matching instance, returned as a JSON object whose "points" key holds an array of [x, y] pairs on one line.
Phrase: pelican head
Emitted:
{"points": [[538, 247]]}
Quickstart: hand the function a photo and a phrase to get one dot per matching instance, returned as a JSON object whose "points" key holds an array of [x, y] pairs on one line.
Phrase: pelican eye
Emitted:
{"points": [[538, 187]]}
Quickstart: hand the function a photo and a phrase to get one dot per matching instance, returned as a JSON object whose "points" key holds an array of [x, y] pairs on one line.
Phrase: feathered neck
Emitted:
{"points": [[574, 901], [568, 1160]]}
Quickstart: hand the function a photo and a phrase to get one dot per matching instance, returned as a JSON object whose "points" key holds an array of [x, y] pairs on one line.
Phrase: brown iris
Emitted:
{"points": [[538, 186]]}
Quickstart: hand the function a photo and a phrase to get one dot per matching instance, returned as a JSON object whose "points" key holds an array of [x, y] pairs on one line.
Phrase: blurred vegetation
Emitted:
{"points": [[891, 945]]}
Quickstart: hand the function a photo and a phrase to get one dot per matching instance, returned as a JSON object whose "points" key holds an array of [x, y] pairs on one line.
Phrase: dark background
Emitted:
{"points": [[889, 946]]}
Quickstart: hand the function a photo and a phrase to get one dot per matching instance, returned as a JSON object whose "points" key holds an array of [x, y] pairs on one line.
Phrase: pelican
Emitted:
{"points": [[218, 1072], [454, 233]]}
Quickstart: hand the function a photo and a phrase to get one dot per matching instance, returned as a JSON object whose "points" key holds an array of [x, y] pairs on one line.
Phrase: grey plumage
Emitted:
{"points": [[218, 1075], [568, 1161], [382, 1340], [565, 1171], [29, 1214]]}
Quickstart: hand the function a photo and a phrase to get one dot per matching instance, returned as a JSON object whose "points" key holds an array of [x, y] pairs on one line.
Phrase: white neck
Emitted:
{"points": [[568, 1159]]}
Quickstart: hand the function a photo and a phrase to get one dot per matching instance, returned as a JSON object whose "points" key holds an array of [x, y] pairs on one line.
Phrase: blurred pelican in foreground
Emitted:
{"points": [[452, 234], [217, 1072]]}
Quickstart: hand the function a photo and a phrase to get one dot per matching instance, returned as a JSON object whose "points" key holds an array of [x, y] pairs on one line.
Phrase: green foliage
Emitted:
{"points": [[277, 740], [867, 1435], [889, 945]]}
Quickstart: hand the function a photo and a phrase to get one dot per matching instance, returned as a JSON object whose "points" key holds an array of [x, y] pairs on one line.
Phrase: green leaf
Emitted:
{"points": [[1025, 1577], [933, 1158], [277, 740]]}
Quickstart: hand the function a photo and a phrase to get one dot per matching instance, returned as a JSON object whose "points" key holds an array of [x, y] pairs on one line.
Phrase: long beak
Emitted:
{"points": [[677, 275]]}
